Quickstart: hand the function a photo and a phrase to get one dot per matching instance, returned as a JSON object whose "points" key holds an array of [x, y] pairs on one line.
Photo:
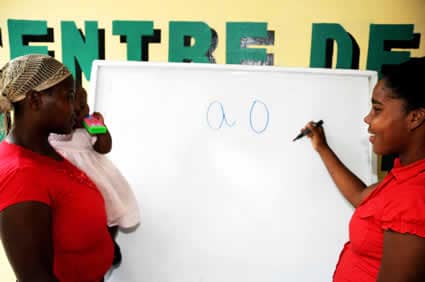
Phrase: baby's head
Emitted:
{"points": [[81, 107]]}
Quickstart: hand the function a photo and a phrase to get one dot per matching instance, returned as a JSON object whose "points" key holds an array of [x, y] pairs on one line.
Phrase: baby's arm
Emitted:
{"points": [[103, 144]]}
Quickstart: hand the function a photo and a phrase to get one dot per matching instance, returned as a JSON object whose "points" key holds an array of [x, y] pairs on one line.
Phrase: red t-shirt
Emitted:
{"points": [[397, 204], [83, 248]]}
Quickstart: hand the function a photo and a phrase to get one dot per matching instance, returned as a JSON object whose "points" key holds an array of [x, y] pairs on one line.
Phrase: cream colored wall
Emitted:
{"points": [[6, 273], [290, 19]]}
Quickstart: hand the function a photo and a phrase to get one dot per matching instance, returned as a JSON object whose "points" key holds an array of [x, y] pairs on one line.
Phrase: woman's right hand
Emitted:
{"points": [[352, 187], [317, 136]]}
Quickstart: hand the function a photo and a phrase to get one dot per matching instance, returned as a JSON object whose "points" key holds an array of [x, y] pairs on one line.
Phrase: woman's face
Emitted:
{"points": [[58, 107], [387, 121], [81, 107]]}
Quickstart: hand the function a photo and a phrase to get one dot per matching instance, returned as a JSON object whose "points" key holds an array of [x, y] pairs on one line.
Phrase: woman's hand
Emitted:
{"points": [[352, 187], [317, 136]]}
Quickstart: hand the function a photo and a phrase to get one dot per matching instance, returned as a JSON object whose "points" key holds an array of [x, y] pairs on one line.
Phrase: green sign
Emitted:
{"points": [[2, 129]]}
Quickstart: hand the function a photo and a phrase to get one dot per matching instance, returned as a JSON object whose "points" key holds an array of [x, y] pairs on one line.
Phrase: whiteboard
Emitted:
{"points": [[224, 193]]}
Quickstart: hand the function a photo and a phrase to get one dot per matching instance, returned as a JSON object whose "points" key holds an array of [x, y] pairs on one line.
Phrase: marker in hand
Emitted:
{"points": [[307, 130]]}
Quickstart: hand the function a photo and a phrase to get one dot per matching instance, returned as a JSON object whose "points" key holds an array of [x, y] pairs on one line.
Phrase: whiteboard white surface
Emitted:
{"points": [[224, 193]]}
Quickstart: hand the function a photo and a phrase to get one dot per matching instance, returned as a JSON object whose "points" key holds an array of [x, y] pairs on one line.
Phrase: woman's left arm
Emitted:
{"points": [[403, 258]]}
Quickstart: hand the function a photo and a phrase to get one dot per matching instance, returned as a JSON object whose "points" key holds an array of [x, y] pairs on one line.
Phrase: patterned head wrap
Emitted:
{"points": [[31, 72]]}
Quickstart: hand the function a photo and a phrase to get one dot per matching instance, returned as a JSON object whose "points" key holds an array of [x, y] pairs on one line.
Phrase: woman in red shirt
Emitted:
{"points": [[387, 229], [52, 217]]}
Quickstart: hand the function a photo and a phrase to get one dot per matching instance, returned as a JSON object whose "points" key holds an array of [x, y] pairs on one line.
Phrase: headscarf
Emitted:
{"points": [[30, 72]]}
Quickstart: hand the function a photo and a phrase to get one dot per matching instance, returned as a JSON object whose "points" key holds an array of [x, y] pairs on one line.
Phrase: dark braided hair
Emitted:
{"points": [[407, 81]]}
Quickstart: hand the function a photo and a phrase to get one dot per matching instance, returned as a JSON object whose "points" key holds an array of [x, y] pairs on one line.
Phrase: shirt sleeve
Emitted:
{"points": [[23, 185], [405, 212]]}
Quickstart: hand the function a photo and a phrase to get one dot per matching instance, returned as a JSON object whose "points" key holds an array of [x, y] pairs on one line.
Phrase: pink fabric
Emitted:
{"points": [[121, 205]]}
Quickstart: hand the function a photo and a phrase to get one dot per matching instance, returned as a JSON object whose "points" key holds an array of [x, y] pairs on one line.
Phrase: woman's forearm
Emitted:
{"points": [[348, 183]]}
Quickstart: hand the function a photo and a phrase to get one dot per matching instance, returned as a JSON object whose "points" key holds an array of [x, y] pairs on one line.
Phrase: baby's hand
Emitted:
{"points": [[98, 116]]}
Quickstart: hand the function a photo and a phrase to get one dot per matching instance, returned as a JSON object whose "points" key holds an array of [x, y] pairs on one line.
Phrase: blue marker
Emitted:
{"points": [[307, 130]]}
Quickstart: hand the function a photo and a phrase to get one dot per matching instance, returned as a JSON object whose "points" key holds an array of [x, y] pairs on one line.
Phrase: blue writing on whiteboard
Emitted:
{"points": [[257, 129], [216, 110]]}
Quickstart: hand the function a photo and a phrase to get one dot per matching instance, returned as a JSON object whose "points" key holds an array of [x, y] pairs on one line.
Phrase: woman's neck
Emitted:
{"points": [[415, 150], [411, 157], [33, 141]]}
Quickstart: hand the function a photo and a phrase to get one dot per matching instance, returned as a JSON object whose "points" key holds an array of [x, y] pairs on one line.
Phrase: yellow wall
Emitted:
{"points": [[290, 19], [6, 273]]}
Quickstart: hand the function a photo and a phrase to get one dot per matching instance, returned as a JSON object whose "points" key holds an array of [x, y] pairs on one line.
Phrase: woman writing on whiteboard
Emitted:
{"points": [[387, 229], [52, 216]]}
